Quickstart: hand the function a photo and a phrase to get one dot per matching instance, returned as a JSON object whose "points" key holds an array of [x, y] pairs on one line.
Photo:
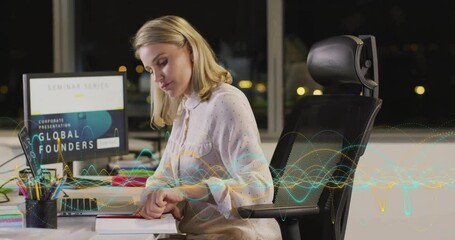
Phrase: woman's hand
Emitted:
{"points": [[165, 200], [161, 201]]}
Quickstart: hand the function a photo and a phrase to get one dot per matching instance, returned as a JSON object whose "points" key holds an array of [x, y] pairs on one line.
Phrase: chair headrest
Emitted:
{"points": [[344, 60]]}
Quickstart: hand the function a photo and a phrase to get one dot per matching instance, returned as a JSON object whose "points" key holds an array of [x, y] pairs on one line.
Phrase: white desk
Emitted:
{"points": [[70, 228]]}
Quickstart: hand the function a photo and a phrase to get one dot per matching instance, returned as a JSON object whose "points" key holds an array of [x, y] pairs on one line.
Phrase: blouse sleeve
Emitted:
{"points": [[236, 138], [163, 177]]}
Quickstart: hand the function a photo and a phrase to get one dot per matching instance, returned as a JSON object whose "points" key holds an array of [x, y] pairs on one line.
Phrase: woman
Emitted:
{"points": [[213, 161]]}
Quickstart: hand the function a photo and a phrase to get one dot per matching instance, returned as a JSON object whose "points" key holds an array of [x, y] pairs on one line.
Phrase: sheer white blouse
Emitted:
{"points": [[217, 142]]}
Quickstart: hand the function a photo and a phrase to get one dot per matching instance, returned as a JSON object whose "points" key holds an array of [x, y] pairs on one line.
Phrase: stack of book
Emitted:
{"points": [[129, 162], [131, 178], [10, 216]]}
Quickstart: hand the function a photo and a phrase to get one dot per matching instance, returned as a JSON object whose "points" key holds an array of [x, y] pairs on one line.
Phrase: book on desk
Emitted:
{"points": [[127, 224], [10, 216]]}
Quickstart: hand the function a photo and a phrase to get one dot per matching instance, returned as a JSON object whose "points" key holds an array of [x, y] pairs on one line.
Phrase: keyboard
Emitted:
{"points": [[78, 205]]}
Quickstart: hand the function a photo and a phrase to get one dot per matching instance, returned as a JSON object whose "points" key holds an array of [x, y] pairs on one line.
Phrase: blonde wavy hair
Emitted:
{"points": [[206, 73]]}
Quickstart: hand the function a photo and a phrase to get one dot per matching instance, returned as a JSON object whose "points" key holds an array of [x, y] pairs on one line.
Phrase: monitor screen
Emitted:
{"points": [[76, 116]]}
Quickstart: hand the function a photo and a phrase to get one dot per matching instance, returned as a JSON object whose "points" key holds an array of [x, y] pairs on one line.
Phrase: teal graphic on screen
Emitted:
{"points": [[78, 132]]}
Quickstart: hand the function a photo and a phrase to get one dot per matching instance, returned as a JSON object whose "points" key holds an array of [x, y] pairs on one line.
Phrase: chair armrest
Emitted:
{"points": [[276, 211]]}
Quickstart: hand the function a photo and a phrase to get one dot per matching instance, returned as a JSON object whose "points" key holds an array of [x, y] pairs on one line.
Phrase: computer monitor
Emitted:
{"points": [[76, 116]]}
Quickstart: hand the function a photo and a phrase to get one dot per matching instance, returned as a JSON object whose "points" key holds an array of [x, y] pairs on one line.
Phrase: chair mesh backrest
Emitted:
{"points": [[320, 146]]}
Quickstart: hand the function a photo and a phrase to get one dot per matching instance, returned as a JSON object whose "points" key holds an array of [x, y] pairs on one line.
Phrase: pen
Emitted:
{"points": [[59, 188], [21, 188], [43, 188], [51, 190], [21, 183]]}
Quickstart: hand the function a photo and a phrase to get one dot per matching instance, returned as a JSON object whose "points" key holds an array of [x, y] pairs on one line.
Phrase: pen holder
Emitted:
{"points": [[41, 213]]}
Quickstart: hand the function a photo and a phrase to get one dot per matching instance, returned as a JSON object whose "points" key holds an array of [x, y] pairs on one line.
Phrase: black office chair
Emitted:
{"points": [[316, 156]]}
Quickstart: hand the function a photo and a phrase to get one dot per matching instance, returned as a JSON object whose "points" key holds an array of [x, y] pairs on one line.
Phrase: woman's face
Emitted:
{"points": [[170, 67]]}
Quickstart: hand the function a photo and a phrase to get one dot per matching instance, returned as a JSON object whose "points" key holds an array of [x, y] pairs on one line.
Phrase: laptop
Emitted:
{"points": [[93, 206], [80, 206]]}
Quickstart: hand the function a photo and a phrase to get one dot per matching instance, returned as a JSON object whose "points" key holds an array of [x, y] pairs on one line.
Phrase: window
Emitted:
{"points": [[25, 46], [415, 49], [236, 30], [416, 53]]}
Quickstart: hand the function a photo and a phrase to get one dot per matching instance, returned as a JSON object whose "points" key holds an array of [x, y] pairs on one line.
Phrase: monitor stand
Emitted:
{"points": [[73, 182]]}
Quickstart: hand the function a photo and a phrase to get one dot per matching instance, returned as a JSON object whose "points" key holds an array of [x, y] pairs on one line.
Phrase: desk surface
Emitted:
{"points": [[72, 227], [68, 227]]}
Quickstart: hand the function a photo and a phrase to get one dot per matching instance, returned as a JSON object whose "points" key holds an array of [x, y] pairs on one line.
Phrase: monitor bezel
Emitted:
{"points": [[72, 157]]}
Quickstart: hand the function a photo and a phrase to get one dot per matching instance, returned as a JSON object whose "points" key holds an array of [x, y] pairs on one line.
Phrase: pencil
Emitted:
{"points": [[30, 189], [37, 191]]}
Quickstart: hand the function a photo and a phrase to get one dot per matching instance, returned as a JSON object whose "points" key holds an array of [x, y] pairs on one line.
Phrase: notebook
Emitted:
{"points": [[10, 216]]}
